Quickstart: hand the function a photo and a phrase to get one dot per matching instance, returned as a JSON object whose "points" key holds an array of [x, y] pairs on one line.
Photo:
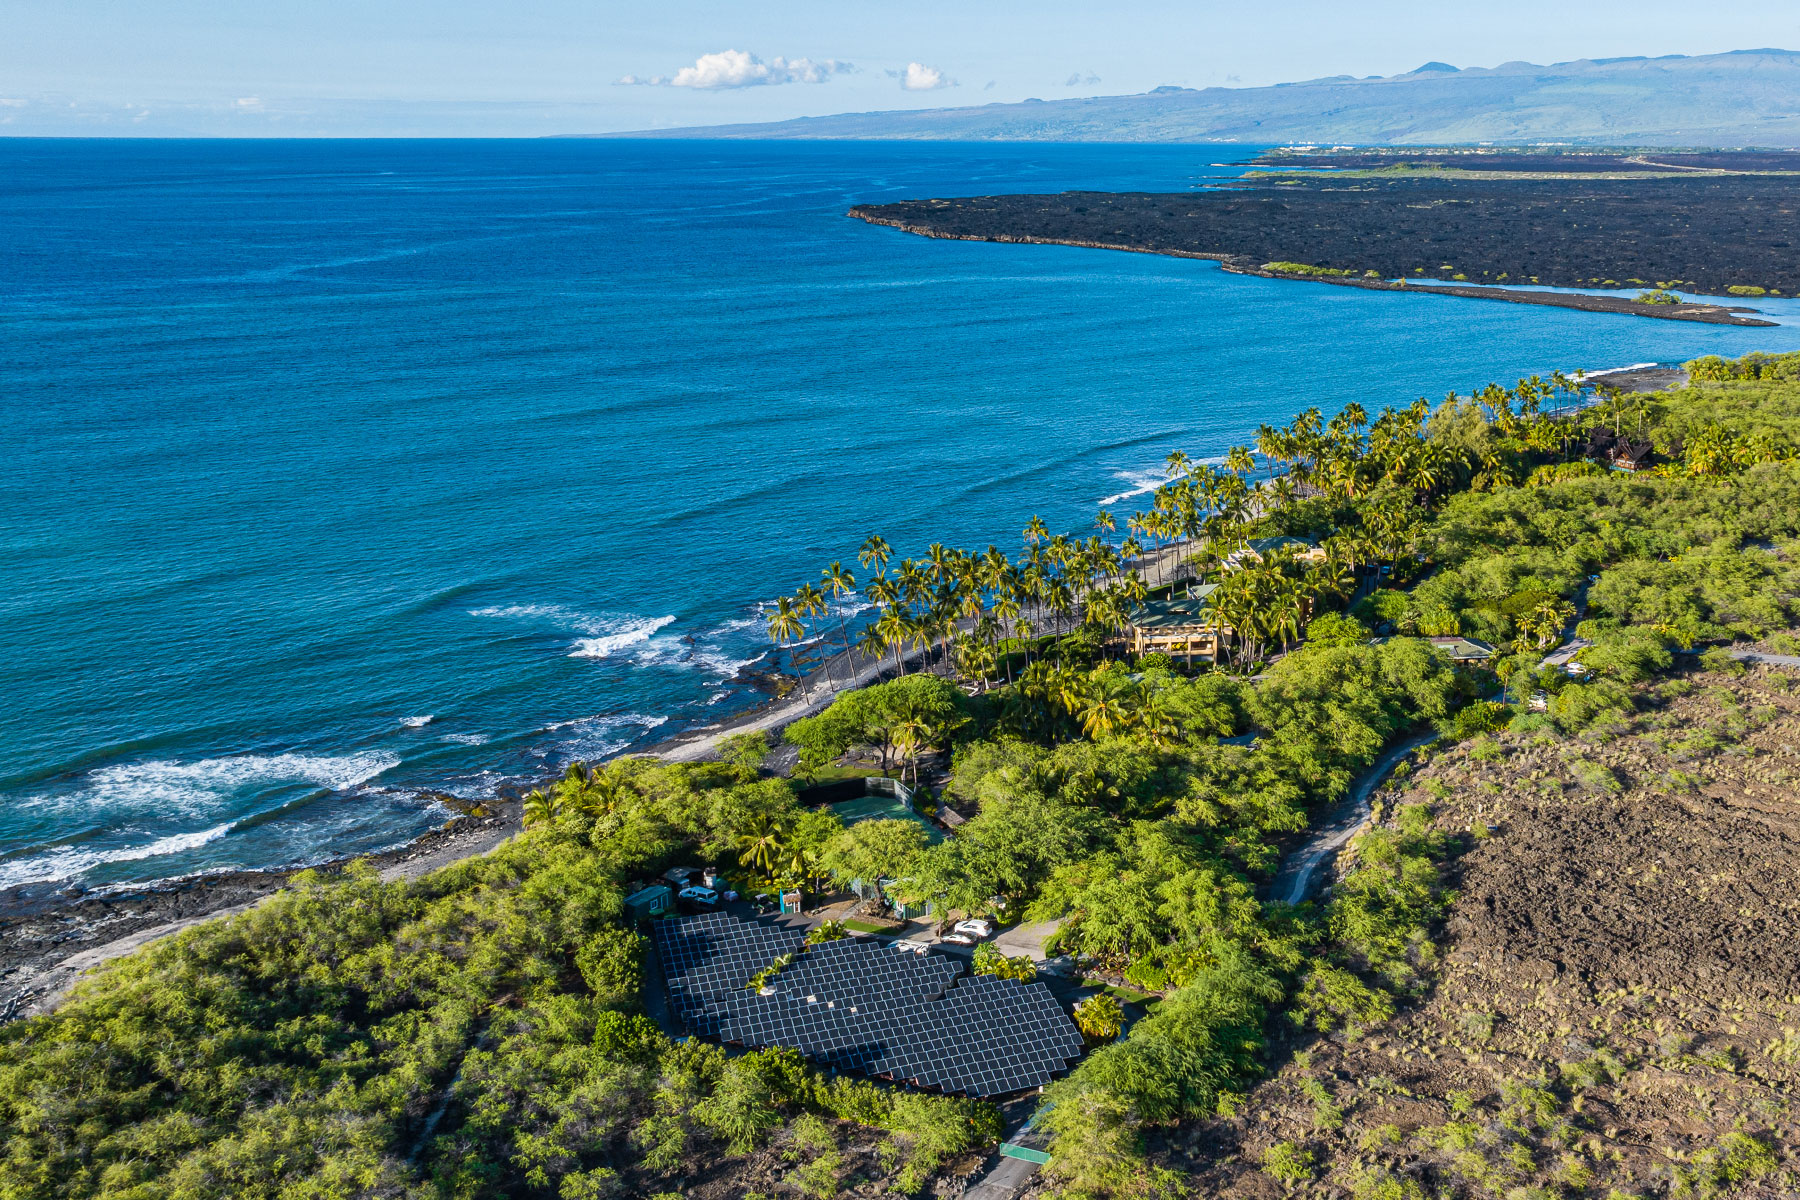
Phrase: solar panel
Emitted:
{"points": [[863, 1006]]}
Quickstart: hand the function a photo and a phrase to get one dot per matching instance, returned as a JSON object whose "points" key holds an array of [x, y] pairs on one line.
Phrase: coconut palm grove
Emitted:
{"points": [[493, 1027]]}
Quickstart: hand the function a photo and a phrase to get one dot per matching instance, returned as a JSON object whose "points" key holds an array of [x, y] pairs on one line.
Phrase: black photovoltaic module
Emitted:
{"points": [[862, 1006]]}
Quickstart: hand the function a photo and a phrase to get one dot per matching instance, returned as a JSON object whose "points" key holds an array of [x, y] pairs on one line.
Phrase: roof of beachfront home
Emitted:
{"points": [[1460, 649], [1260, 548], [1162, 616], [1464, 649], [1629, 455], [1270, 544]]}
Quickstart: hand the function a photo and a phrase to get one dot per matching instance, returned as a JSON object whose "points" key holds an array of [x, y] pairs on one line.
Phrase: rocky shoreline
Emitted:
{"points": [[50, 934], [1237, 264]]}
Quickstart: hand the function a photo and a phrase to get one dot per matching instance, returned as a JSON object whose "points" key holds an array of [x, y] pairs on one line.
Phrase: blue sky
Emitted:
{"points": [[380, 67]]}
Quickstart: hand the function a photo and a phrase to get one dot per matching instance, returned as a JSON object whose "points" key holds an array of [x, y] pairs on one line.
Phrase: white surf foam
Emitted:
{"points": [[67, 862], [606, 633], [1618, 370], [720, 663], [467, 739], [417, 722], [203, 785], [1144, 482], [1141, 483], [595, 738], [633, 631]]}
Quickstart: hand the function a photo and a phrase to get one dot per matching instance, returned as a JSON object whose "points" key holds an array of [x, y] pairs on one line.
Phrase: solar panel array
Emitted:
{"points": [[862, 1006]]}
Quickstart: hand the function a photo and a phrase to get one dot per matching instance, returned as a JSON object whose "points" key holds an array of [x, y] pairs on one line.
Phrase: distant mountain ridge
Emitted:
{"points": [[1738, 98]]}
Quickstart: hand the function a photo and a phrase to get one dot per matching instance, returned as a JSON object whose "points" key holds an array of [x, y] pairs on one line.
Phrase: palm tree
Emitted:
{"points": [[872, 643], [1153, 718], [975, 657], [784, 622], [909, 737], [572, 791], [1105, 711], [810, 600], [875, 552], [841, 581], [1006, 611], [1035, 531], [942, 561], [894, 629], [1288, 613], [540, 809], [802, 863], [760, 845]]}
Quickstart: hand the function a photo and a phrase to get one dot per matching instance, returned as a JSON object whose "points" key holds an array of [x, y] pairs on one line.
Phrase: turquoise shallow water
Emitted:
{"points": [[334, 473]]}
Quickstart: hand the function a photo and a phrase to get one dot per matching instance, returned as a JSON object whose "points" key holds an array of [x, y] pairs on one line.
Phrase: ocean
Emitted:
{"points": [[336, 475]]}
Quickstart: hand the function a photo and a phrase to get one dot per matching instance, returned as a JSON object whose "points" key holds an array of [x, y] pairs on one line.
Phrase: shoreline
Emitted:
{"points": [[1237, 264], [50, 937]]}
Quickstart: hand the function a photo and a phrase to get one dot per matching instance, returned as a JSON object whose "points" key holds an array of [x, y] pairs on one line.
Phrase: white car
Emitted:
{"points": [[978, 927], [700, 895], [959, 939]]}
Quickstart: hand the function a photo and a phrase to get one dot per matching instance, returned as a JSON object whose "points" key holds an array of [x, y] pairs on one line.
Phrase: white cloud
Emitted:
{"points": [[248, 103], [736, 69], [1078, 79], [920, 78]]}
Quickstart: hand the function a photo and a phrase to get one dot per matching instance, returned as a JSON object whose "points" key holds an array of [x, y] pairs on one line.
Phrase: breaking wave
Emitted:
{"points": [[604, 635], [67, 862], [198, 787], [605, 645]]}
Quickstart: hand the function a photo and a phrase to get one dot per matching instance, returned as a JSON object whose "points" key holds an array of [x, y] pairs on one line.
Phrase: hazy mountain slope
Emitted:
{"points": [[1744, 98]]}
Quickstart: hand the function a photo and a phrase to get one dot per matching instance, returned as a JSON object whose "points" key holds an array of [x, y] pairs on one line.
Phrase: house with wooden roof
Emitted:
{"points": [[1186, 627], [1631, 456]]}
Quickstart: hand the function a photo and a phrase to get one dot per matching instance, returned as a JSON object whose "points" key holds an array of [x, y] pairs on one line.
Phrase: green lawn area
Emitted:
{"points": [[864, 927], [1125, 995]]}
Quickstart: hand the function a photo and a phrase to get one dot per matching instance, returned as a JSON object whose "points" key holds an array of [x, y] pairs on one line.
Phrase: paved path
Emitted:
{"points": [[1027, 939], [1767, 660], [812, 697], [1006, 1179], [1299, 871]]}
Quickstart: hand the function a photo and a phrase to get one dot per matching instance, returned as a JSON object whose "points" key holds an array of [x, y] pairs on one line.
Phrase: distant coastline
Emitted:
{"points": [[1657, 238], [1710, 314], [917, 218]]}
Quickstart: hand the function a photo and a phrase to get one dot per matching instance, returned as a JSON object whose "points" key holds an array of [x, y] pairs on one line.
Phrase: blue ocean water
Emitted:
{"points": [[337, 473]]}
